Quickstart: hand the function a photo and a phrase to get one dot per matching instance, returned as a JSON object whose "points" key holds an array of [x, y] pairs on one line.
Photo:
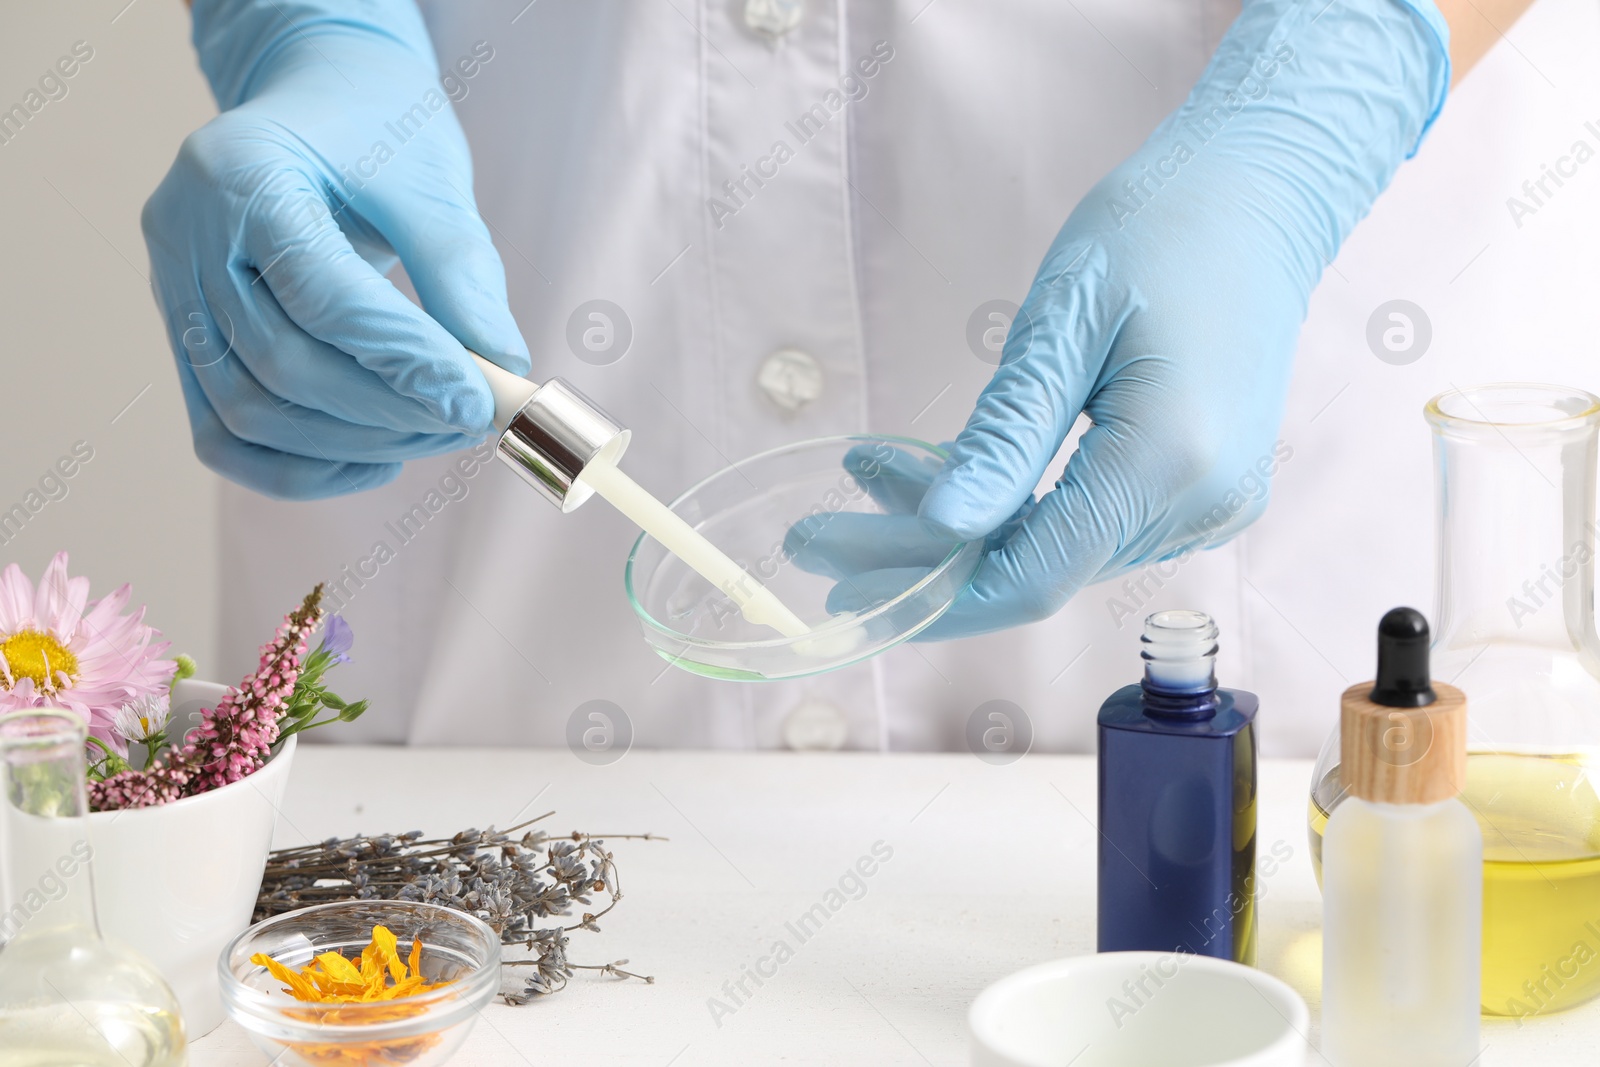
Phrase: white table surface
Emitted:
{"points": [[993, 869]]}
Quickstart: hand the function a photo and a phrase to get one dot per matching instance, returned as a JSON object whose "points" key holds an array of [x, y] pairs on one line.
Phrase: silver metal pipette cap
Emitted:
{"points": [[555, 435], [552, 432]]}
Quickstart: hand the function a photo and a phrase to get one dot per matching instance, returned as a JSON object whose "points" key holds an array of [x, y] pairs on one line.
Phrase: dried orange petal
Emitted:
{"points": [[299, 987], [385, 940], [338, 968], [331, 978]]}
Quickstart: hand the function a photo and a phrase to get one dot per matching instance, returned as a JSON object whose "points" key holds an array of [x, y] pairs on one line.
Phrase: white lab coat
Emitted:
{"points": [[603, 133]]}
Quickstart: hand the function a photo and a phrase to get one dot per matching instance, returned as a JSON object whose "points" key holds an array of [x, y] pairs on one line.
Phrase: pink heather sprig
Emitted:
{"points": [[232, 741]]}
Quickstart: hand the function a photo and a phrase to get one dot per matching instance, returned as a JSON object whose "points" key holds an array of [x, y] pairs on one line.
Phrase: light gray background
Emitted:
{"points": [[80, 333]]}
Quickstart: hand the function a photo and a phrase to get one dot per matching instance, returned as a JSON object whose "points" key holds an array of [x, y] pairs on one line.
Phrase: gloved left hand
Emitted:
{"points": [[1167, 311], [305, 371]]}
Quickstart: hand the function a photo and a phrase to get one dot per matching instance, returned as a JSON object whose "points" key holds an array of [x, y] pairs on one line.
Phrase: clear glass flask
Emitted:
{"points": [[67, 998], [1514, 478]]}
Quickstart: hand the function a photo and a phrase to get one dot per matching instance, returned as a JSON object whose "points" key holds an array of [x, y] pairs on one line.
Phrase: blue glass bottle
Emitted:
{"points": [[1178, 801]]}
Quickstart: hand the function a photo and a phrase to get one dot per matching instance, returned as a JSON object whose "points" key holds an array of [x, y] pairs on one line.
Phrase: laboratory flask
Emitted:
{"points": [[67, 997], [1514, 484]]}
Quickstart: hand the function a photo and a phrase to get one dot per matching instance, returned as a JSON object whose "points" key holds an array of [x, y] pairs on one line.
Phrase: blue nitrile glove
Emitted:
{"points": [[874, 557], [305, 371], [1167, 311]]}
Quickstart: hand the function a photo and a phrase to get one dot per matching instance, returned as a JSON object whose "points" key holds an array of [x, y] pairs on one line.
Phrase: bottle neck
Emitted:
{"points": [[46, 885], [1197, 705], [1180, 675]]}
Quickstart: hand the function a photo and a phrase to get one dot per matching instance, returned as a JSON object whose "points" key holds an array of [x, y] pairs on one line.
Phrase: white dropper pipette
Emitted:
{"points": [[550, 425]]}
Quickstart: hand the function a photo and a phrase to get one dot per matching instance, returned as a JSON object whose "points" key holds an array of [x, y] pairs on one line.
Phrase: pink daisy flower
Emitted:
{"points": [[59, 649]]}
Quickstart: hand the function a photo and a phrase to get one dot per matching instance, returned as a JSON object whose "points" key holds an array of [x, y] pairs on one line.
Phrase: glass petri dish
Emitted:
{"points": [[830, 527]]}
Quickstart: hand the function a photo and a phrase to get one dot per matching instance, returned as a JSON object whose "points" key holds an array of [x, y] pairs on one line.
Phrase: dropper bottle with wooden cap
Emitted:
{"points": [[1402, 862]]}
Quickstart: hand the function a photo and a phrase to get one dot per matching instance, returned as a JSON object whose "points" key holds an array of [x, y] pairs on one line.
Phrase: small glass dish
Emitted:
{"points": [[419, 1031], [851, 499]]}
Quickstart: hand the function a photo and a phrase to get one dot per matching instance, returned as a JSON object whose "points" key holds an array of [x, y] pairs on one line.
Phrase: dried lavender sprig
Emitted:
{"points": [[509, 882], [605, 968]]}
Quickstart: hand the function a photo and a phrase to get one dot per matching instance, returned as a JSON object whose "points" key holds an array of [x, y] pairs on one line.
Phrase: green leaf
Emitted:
{"points": [[107, 765], [352, 712], [333, 700]]}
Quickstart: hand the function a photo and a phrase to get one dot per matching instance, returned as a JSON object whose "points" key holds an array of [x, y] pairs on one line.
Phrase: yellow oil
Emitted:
{"points": [[1540, 817], [89, 1033]]}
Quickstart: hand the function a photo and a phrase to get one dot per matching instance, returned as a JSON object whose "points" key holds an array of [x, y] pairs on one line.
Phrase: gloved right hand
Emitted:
{"points": [[305, 371], [1166, 311]]}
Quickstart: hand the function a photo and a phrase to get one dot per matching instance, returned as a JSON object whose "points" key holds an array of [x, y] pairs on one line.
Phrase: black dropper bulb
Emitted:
{"points": [[1403, 680]]}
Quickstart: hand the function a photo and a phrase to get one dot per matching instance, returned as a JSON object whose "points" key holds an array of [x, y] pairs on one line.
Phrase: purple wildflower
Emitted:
{"points": [[337, 639]]}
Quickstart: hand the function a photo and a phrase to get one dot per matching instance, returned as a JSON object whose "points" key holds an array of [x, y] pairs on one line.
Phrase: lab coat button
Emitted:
{"points": [[773, 18], [815, 725], [790, 378]]}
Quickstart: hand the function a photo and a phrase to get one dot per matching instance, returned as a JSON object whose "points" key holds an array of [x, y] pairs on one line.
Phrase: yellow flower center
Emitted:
{"points": [[31, 654]]}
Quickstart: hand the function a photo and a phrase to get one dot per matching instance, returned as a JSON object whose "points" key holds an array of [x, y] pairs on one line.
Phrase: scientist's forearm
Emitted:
{"points": [[1475, 25]]}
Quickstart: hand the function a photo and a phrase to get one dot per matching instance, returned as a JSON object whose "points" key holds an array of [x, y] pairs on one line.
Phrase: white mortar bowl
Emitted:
{"points": [[178, 881], [1192, 1011]]}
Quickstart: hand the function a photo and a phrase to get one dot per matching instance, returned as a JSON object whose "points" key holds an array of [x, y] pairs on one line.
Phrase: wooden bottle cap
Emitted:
{"points": [[1403, 755]]}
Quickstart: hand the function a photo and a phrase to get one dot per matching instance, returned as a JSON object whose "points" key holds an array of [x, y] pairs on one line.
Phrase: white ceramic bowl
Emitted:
{"points": [[177, 882], [1117, 1008]]}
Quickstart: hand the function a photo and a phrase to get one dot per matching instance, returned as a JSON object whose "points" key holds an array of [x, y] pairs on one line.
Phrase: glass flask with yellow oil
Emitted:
{"points": [[68, 997], [1514, 478]]}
